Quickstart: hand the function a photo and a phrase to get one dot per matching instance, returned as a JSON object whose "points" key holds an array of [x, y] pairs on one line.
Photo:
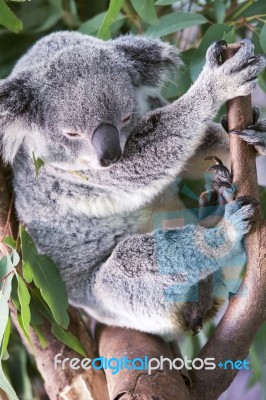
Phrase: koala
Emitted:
{"points": [[113, 148]]}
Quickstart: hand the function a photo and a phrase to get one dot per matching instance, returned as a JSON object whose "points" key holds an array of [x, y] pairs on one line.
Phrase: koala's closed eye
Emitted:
{"points": [[73, 135], [126, 119]]}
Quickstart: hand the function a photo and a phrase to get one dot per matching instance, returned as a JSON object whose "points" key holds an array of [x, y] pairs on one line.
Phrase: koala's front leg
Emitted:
{"points": [[148, 278], [168, 137], [222, 192]]}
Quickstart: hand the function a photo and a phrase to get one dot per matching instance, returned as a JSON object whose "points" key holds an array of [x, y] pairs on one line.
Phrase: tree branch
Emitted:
{"points": [[247, 309], [133, 384]]}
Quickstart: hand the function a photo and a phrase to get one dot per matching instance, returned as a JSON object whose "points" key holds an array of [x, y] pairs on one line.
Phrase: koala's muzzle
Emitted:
{"points": [[106, 143]]}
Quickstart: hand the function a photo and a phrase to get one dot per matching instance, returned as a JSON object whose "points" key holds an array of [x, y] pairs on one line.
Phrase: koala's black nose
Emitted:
{"points": [[106, 143]]}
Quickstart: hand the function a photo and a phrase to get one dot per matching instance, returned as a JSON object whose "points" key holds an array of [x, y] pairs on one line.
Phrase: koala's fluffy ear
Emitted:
{"points": [[15, 97], [150, 61]]}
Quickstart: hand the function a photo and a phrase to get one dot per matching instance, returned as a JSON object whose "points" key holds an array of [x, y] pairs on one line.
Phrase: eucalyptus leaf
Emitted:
{"points": [[24, 299], [38, 163], [6, 268], [109, 19], [165, 2], [91, 26], [14, 258], [68, 339], [263, 37], [8, 19], [220, 11], [146, 10], [230, 37], [42, 270], [249, 8], [5, 385], [175, 22], [36, 316], [41, 337], [6, 338], [182, 82], [14, 295], [10, 242], [215, 32], [27, 336]]}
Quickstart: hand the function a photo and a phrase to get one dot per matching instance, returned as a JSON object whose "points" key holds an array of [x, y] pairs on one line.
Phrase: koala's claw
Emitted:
{"points": [[222, 174], [240, 213], [222, 180], [215, 159], [214, 52]]}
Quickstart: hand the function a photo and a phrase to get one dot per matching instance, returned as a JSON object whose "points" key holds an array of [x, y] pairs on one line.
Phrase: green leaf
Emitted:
{"points": [[14, 294], [174, 22], [91, 26], [215, 32], [263, 38], [38, 163], [29, 253], [42, 270], [109, 19], [256, 366], [27, 336], [262, 80], [5, 338], [5, 385], [183, 81], [146, 10], [5, 268], [36, 316], [8, 18], [10, 242], [41, 337], [220, 10], [24, 299], [248, 8], [68, 339], [230, 37], [164, 2], [14, 258]]}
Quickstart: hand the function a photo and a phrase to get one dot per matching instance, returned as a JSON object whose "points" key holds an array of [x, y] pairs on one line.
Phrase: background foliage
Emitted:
{"points": [[191, 25]]}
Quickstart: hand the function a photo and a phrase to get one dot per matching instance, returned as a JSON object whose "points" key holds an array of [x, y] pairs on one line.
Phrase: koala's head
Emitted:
{"points": [[77, 108]]}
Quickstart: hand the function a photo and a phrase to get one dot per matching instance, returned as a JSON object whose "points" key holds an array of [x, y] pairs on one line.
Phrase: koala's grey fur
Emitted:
{"points": [[95, 222]]}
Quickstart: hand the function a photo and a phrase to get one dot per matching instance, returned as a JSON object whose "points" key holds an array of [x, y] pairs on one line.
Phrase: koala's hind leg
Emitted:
{"points": [[148, 277], [222, 192]]}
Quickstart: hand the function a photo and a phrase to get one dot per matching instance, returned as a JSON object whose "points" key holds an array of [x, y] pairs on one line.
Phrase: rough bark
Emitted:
{"points": [[247, 309], [163, 384]]}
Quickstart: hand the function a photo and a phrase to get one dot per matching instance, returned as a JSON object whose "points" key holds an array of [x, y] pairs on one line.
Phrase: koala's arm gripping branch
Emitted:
{"points": [[163, 142], [247, 309]]}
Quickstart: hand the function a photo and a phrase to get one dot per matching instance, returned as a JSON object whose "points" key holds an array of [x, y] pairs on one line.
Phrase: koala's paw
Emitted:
{"points": [[237, 76], [254, 135], [222, 183], [239, 214]]}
